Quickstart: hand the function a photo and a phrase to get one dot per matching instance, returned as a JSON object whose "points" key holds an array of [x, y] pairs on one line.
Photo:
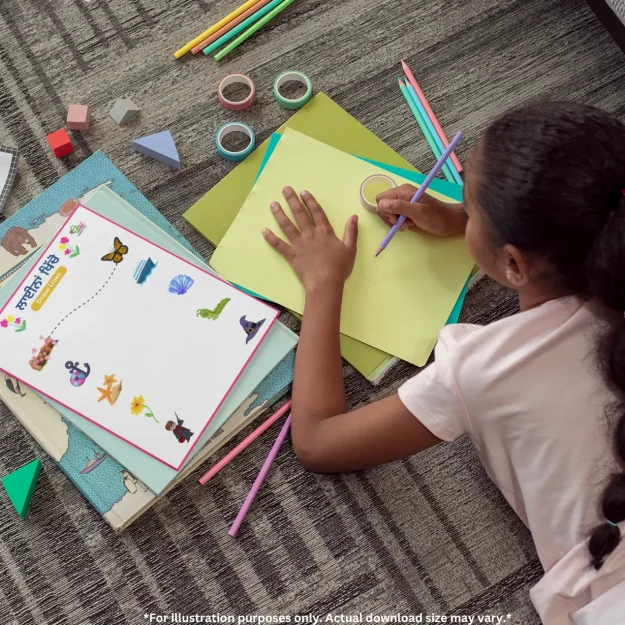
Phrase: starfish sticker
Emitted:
{"points": [[111, 389], [106, 394], [109, 380]]}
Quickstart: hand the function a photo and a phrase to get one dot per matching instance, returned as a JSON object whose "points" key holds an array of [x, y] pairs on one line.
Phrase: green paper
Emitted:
{"points": [[250, 31], [449, 189], [415, 284], [20, 486], [326, 121]]}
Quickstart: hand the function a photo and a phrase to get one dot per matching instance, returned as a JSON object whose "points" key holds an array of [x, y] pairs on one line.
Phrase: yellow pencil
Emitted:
{"points": [[215, 28]]}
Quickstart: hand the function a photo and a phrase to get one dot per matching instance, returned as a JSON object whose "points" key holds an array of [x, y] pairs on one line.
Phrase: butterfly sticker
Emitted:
{"points": [[117, 255]]}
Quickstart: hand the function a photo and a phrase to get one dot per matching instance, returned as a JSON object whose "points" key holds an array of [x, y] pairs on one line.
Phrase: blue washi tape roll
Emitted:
{"points": [[226, 129], [296, 76]]}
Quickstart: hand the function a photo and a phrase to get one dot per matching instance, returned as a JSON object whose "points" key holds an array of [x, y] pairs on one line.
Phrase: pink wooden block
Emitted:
{"points": [[78, 117]]}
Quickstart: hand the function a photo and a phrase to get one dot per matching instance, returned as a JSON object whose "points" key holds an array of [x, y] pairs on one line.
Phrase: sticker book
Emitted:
{"points": [[115, 328]]}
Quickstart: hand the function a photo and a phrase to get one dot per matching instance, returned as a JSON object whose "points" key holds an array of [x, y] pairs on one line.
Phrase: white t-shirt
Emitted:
{"points": [[528, 393]]}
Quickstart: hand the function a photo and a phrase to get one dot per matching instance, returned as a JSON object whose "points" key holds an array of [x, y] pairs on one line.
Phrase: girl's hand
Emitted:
{"points": [[429, 215], [316, 254]]}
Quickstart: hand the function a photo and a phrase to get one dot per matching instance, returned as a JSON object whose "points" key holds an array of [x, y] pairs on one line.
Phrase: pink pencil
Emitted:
{"points": [[260, 478], [224, 29], [430, 112], [245, 443]]}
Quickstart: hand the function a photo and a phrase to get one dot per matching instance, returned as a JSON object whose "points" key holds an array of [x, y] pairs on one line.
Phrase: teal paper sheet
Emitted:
{"points": [[279, 342]]}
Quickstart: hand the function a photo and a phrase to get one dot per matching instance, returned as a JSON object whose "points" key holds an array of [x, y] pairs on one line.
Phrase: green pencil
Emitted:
{"points": [[250, 31], [425, 130]]}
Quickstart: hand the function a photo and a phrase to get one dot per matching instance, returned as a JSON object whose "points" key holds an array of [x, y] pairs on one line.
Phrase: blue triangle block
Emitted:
{"points": [[160, 146]]}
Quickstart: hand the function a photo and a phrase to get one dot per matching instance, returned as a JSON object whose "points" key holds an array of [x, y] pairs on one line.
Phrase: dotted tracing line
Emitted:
{"points": [[84, 303]]}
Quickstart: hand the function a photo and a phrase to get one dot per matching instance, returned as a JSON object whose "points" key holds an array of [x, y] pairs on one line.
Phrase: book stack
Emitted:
{"points": [[116, 476]]}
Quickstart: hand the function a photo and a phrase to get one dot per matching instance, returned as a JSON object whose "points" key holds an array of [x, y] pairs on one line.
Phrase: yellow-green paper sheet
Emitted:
{"points": [[398, 302]]}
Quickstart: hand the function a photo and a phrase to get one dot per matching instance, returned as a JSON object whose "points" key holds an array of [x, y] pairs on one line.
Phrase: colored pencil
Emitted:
{"points": [[228, 27], [412, 80], [214, 28], [241, 27], [424, 129], [439, 144], [250, 31], [261, 478], [244, 443], [420, 191]]}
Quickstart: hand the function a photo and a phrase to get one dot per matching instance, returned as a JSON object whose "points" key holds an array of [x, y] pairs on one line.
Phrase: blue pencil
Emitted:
{"points": [[437, 139], [420, 191]]}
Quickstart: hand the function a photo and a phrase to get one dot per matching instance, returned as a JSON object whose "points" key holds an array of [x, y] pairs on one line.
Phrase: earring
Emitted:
{"points": [[509, 275]]}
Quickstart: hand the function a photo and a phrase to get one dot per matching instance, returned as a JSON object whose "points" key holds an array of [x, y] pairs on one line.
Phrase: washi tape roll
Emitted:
{"points": [[371, 187], [232, 79], [285, 77], [226, 129]]}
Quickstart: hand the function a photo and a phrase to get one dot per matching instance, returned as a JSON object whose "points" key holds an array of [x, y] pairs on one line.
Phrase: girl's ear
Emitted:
{"points": [[516, 266]]}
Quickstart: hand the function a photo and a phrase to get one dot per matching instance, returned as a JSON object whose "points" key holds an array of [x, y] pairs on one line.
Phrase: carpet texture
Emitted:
{"points": [[427, 535]]}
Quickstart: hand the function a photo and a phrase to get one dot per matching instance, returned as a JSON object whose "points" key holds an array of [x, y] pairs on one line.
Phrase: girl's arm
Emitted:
{"points": [[326, 437]]}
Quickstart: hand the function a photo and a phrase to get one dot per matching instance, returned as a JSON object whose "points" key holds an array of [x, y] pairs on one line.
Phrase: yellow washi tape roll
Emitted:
{"points": [[371, 187]]}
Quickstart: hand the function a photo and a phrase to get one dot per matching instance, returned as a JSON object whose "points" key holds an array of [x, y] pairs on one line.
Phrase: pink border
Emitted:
{"points": [[260, 342]]}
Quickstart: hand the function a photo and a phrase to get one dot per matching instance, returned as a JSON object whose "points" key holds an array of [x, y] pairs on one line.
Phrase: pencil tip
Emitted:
{"points": [[378, 253]]}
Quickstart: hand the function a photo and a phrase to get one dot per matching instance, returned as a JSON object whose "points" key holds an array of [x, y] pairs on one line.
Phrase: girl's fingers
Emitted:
{"points": [[286, 225], [284, 249], [302, 218], [350, 238], [317, 213], [388, 218], [403, 192]]}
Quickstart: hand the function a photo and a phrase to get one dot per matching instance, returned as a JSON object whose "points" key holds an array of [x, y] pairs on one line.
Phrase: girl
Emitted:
{"points": [[543, 213]]}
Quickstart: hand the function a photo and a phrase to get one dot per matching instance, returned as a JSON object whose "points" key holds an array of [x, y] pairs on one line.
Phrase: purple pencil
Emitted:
{"points": [[420, 191], [260, 478]]}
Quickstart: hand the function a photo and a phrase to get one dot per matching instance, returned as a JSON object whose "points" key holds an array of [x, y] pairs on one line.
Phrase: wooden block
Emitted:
{"points": [[60, 143], [124, 110], [20, 486], [160, 146], [78, 117]]}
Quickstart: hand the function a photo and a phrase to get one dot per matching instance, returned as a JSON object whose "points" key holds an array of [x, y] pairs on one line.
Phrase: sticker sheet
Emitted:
{"points": [[128, 335]]}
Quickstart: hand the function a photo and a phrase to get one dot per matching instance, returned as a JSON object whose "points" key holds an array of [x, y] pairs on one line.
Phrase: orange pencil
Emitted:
{"points": [[430, 112], [213, 28], [224, 29]]}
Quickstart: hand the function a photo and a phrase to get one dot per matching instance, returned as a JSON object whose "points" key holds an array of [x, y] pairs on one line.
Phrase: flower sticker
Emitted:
{"points": [[137, 407], [70, 251], [18, 323]]}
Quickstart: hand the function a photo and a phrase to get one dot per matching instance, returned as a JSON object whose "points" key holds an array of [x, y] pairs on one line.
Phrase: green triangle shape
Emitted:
{"points": [[20, 486]]}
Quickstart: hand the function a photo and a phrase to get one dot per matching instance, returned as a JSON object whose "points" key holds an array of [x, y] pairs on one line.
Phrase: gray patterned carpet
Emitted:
{"points": [[428, 535]]}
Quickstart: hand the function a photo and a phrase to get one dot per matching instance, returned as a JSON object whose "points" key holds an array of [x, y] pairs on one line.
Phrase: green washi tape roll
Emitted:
{"points": [[287, 77]]}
